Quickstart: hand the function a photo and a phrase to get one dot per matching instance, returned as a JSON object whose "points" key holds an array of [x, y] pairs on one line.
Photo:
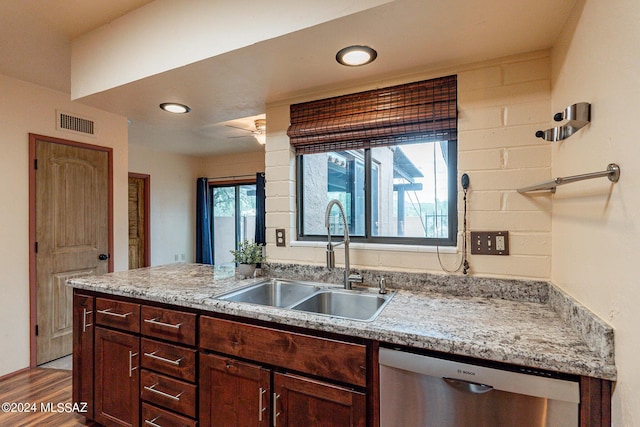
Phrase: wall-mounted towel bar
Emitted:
{"points": [[612, 172], [579, 115]]}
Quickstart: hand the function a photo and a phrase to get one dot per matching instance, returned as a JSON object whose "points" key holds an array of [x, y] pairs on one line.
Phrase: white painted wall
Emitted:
{"points": [[232, 166], [173, 202], [191, 31], [27, 108], [596, 224]]}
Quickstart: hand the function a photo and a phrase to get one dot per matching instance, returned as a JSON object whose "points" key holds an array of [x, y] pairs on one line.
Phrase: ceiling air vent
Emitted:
{"points": [[75, 123]]}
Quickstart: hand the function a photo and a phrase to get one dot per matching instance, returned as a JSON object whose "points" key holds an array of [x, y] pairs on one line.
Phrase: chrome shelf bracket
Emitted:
{"points": [[578, 116]]}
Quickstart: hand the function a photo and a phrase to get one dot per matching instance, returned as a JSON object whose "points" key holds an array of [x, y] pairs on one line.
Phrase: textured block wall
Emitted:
{"points": [[501, 104]]}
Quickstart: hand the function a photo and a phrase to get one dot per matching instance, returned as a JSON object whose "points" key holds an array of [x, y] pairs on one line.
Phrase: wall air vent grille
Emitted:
{"points": [[75, 123]]}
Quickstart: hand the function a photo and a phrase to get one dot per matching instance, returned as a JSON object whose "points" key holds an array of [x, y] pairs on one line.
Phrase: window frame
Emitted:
{"points": [[237, 226], [368, 238]]}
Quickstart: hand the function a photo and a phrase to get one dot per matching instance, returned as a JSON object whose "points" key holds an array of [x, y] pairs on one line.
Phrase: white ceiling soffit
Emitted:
{"points": [[410, 36], [164, 35], [35, 35]]}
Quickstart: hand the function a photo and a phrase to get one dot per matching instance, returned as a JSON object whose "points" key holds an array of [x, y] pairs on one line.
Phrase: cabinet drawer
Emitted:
{"points": [[169, 359], [167, 392], [118, 314], [169, 325], [153, 416], [337, 360]]}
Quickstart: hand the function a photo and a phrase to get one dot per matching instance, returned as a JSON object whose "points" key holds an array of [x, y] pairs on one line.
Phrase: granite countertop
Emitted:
{"points": [[537, 326]]}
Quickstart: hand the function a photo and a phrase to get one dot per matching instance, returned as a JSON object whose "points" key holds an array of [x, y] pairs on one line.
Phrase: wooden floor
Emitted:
{"points": [[41, 390]]}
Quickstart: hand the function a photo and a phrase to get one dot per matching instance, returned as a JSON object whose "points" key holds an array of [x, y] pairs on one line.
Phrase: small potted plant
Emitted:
{"points": [[247, 256]]}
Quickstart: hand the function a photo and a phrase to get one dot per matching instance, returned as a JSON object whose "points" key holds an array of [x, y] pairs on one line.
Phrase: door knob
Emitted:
{"points": [[103, 257]]}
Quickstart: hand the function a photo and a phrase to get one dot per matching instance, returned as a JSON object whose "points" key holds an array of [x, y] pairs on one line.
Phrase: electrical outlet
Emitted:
{"points": [[490, 243], [280, 237]]}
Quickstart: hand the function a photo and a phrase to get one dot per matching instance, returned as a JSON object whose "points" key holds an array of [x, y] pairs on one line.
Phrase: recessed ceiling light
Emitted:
{"points": [[173, 107], [355, 56]]}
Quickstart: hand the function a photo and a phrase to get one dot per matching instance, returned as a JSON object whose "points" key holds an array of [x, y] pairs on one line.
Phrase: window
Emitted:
{"points": [[233, 220], [388, 155], [392, 194]]}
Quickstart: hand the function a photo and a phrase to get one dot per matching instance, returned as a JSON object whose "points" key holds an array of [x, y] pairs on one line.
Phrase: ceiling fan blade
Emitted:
{"points": [[236, 127]]}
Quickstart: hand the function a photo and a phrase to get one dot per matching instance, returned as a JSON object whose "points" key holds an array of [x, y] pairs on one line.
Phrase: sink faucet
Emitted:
{"points": [[331, 261]]}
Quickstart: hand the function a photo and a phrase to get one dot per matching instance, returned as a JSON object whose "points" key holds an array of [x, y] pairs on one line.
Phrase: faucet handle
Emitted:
{"points": [[356, 277]]}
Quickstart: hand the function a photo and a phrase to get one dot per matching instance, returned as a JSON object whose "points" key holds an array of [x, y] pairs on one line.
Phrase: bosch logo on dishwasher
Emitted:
{"points": [[464, 372]]}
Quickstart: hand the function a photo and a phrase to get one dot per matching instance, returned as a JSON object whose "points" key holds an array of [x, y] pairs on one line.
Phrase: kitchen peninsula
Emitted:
{"points": [[178, 344]]}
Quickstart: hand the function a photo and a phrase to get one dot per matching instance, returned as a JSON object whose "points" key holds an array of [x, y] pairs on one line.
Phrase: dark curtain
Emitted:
{"points": [[444, 147], [260, 209], [204, 253]]}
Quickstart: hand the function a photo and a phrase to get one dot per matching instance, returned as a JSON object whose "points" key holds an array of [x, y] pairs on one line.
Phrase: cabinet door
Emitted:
{"points": [[232, 393], [117, 378], [83, 315], [300, 401]]}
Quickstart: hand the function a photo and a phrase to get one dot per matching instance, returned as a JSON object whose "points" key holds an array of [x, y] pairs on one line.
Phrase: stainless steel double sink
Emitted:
{"points": [[357, 304]]}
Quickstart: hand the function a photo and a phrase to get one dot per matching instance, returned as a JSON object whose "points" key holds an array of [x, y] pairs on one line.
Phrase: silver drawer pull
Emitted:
{"points": [[111, 313], [166, 325], [261, 408], [85, 325], [152, 422], [163, 394], [274, 410], [131, 367], [162, 359]]}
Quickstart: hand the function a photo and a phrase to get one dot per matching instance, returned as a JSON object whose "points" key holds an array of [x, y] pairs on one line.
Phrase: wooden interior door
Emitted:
{"points": [[71, 235], [138, 221]]}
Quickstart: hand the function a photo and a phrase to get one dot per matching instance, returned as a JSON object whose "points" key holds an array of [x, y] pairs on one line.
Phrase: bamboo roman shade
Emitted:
{"points": [[408, 113]]}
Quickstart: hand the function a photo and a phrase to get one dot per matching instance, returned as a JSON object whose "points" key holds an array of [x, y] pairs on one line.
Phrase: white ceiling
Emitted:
{"points": [[233, 88]]}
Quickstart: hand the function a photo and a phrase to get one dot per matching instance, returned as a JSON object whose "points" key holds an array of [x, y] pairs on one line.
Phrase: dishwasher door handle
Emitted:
{"points": [[467, 386]]}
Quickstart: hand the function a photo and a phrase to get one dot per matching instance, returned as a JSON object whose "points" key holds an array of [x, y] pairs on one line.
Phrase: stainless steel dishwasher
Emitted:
{"points": [[423, 391]]}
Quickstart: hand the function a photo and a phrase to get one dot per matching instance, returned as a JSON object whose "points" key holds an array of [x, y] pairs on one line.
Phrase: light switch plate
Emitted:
{"points": [[490, 243], [280, 237]]}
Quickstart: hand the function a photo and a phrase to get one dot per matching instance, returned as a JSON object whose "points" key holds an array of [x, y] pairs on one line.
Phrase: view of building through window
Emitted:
{"points": [[408, 188]]}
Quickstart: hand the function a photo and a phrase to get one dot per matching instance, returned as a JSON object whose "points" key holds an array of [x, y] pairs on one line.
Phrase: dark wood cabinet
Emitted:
{"points": [[83, 331], [322, 357], [117, 378], [168, 380], [300, 401], [236, 393], [136, 361], [233, 393], [109, 357]]}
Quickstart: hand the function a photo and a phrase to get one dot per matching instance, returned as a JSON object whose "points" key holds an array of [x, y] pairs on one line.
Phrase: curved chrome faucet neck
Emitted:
{"points": [[330, 257], [327, 214]]}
